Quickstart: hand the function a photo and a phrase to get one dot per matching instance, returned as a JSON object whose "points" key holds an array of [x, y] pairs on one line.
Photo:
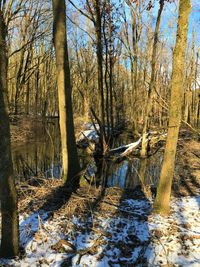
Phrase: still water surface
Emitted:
{"points": [[41, 157]]}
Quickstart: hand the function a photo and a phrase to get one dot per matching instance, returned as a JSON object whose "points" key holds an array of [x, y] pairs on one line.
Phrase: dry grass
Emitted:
{"points": [[83, 202], [32, 197], [88, 201]]}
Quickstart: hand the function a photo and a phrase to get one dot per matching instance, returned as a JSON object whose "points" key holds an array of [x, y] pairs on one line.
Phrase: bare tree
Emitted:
{"points": [[162, 201], [69, 151], [8, 196], [148, 105]]}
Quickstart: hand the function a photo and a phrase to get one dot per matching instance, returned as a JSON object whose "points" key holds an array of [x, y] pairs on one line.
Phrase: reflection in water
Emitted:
{"points": [[126, 174], [131, 173], [41, 157]]}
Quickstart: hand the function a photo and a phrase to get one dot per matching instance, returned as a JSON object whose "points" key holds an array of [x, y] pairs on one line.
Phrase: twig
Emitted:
{"points": [[83, 252]]}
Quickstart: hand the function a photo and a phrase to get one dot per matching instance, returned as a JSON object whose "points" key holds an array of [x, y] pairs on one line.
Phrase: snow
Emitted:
{"points": [[131, 236], [89, 133], [125, 147], [131, 147]]}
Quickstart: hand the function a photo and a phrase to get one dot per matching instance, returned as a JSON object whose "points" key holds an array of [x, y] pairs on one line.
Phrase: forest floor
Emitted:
{"points": [[106, 228], [98, 227]]}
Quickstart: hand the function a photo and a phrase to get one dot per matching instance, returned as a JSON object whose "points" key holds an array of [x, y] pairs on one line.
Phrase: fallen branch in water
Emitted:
{"points": [[125, 148], [133, 149]]}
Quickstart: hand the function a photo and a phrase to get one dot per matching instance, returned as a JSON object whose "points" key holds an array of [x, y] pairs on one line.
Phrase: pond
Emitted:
{"points": [[41, 157]]}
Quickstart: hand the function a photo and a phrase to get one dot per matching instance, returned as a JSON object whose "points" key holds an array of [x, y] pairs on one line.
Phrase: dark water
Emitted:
{"points": [[41, 157]]}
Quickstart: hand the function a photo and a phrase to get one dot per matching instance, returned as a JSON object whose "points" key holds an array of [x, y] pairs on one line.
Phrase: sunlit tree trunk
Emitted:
{"points": [[8, 197], [69, 151], [164, 187]]}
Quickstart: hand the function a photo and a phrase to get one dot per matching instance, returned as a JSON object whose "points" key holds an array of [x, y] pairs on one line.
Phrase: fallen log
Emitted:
{"points": [[126, 148], [133, 149]]}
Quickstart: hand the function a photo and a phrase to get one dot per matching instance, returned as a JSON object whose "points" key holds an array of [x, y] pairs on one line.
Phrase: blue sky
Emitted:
{"points": [[169, 19], [170, 15], [195, 18]]}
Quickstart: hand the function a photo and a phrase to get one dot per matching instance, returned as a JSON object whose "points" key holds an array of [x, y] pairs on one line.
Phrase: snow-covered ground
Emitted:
{"points": [[130, 236]]}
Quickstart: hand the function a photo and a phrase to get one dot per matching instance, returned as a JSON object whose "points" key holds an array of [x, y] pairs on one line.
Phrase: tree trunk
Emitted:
{"points": [[69, 150], [148, 106], [27, 107], [164, 187], [99, 47], [111, 65], [8, 197]]}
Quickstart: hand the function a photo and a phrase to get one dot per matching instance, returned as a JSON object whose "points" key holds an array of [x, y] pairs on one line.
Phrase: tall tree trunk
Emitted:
{"points": [[106, 75], [164, 187], [99, 46], [8, 197], [69, 150], [148, 105], [111, 66]]}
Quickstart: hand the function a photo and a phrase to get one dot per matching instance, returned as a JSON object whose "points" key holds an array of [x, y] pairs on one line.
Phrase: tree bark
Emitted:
{"points": [[164, 187], [99, 47], [148, 106], [69, 150], [8, 197]]}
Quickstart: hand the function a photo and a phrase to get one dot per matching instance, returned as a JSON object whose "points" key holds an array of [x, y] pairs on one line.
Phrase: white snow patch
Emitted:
{"points": [[156, 241]]}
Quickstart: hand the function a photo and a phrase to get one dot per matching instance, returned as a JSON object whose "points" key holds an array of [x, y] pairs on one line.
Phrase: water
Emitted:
{"points": [[41, 157], [126, 174]]}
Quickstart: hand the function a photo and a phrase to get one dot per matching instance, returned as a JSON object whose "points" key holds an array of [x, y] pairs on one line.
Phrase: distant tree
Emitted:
{"points": [[100, 14], [69, 150], [175, 113], [148, 106]]}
